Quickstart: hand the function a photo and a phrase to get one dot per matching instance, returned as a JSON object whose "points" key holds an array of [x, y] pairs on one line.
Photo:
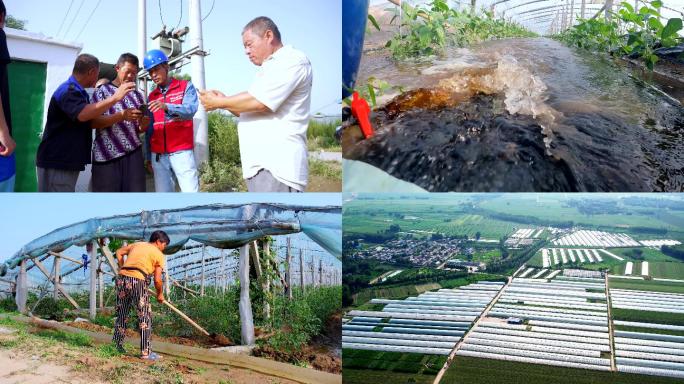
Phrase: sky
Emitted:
{"points": [[31, 215], [313, 26]]}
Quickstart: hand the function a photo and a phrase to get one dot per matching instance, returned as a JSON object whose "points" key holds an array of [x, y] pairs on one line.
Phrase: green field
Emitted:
{"points": [[360, 366], [649, 254], [553, 207], [647, 316], [466, 370], [666, 270], [647, 285], [436, 215], [648, 330]]}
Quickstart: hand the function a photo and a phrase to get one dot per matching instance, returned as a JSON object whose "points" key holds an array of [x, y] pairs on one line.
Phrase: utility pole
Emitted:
{"points": [[200, 120], [142, 37]]}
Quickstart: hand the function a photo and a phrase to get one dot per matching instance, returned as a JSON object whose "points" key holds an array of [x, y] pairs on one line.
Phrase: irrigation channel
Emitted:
{"points": [[523, 114]]}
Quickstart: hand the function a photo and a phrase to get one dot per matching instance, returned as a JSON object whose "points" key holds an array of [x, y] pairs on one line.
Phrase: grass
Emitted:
{"points": [[326, 169], [395, 367], [73, 339], [321, 135], [223, 172], [666, 270], [486, 371], [649, 254]]}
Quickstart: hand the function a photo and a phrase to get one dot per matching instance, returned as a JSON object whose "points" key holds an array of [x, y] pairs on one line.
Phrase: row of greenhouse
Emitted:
{"points": [[524, 233], [555, 256], [536, 273], [652, 352], [430, 323], [584, 238], [560, 322]]}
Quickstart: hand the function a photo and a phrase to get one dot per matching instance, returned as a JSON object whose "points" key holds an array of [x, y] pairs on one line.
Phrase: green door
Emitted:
{"points": [[27, 98]]}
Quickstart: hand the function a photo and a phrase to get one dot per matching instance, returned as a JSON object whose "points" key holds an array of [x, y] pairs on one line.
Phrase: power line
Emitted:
{"points": [[64, 19], [88, 19], [161, 16], [74, 19], [212, 8]]}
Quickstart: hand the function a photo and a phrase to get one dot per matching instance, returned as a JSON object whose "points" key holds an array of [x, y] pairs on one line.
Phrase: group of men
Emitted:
{"points": [[134, 131]]}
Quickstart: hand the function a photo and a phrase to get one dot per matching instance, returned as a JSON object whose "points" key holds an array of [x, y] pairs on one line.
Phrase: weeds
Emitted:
{"points": [[326, 169], [429, 30], [634, 32], [73, 339]]}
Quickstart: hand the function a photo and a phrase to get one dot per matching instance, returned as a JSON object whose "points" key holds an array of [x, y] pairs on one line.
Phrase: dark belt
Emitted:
{"points": [[145, 275]]}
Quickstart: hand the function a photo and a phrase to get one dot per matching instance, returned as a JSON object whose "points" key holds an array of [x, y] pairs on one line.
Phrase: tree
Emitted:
{"points": [[13, 22], [477, 235]]}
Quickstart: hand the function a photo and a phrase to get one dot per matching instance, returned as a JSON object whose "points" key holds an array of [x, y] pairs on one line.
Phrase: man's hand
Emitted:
{"points": [[157, 106], [132, 114], [123, 90], [211, 99], [160, 298], [143, 123], [7, 144], [148, 166]]}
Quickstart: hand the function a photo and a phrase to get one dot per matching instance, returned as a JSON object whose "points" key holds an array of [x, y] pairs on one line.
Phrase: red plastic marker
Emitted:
{"points": [[361, 112]]}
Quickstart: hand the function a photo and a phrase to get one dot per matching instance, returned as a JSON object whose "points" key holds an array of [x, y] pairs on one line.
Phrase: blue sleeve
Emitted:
{"points": [[71, 102], [186, 110]]}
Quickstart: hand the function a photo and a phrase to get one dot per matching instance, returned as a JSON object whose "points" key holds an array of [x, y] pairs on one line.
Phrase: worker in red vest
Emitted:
{"points": [[173, 103]]}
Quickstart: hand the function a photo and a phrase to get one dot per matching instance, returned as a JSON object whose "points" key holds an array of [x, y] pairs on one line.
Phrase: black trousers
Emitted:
{"points": [[123, 174]]}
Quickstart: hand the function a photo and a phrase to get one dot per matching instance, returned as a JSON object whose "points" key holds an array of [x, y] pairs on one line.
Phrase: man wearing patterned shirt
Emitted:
{"points": [[118, 163]]}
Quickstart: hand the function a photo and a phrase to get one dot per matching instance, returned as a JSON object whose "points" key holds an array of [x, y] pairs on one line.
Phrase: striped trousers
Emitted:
{"points": [[132, 292]]}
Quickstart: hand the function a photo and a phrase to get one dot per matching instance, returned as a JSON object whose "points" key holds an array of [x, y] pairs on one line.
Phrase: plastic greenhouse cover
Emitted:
{"points": [[216, 225]]}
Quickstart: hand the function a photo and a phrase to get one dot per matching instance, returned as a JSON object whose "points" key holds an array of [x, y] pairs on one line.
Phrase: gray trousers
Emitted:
{"points": [[56, 180], [264, 181]]}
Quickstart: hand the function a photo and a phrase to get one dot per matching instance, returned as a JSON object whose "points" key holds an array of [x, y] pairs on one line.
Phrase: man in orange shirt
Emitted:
{"points": [[143, 260]]}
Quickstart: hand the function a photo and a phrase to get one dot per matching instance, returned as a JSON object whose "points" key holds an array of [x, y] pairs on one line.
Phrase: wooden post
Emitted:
{"points": [[267, 277], [93, 280], [22, 288], [313, 273], [204, 248], [245, 306], [224, 272], [288, 271], [55, 292], [609, 9], [100, 283], [185, 281], [320, 272], [572, 12], [301, 271]]}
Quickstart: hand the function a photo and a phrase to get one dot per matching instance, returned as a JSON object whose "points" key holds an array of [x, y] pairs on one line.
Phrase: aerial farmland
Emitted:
{"points": [[564, 299]]}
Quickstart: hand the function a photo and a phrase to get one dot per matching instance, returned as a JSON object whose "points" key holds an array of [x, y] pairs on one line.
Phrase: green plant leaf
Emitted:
{"points": [[672, 27], [657, 3], [373, 21], [371, 94], [627, 6]]}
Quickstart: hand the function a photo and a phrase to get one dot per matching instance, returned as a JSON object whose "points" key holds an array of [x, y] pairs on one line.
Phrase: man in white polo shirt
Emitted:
{"points": [[274, 113]]}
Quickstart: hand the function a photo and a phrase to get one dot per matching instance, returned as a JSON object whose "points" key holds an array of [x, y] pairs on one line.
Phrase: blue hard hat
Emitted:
{"points": [[154, 58]]}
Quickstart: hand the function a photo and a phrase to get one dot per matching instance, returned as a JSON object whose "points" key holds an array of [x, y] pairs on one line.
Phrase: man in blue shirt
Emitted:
{"points": [[7, 144], [66, 145]]}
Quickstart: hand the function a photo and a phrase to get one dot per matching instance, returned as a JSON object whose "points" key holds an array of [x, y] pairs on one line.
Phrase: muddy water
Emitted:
{"points": [[523, 115]]}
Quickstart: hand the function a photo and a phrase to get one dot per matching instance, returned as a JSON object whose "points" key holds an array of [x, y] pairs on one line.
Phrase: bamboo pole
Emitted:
{"points": [[100, 283], [45, 272]]}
